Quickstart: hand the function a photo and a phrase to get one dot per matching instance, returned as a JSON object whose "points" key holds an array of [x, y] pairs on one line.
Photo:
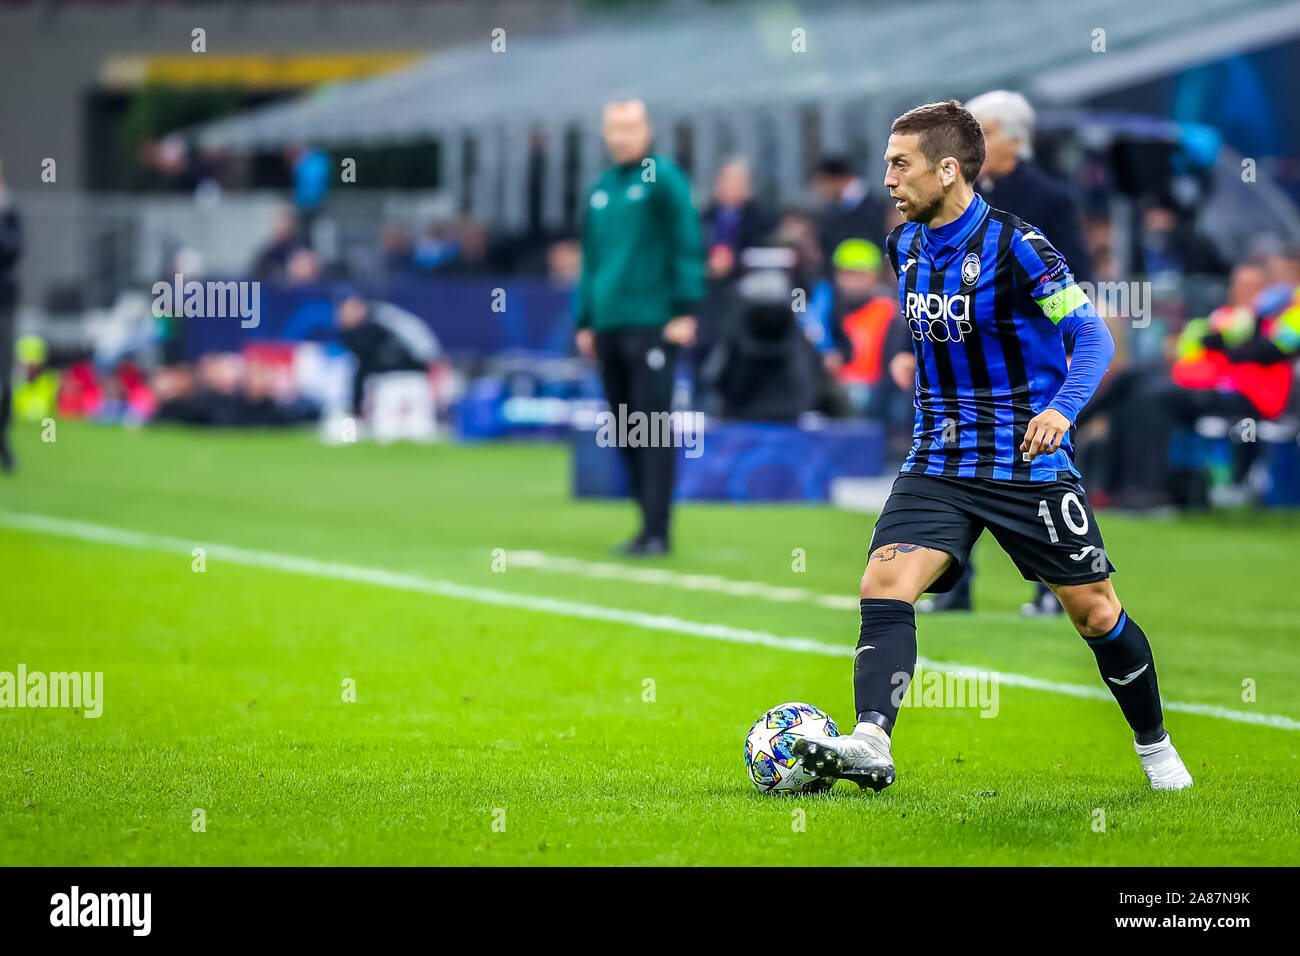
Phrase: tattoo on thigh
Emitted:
{"points": [[890, 551]]}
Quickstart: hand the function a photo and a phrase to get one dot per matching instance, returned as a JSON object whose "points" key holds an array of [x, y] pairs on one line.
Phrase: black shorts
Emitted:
{"points": [[1047, 527]]}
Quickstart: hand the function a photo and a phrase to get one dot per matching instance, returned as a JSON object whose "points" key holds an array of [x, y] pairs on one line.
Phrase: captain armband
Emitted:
{"points": [[1058, 304]]}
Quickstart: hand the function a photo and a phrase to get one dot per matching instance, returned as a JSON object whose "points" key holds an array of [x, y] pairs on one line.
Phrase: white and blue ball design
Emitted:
{"points": [[770, 762]]}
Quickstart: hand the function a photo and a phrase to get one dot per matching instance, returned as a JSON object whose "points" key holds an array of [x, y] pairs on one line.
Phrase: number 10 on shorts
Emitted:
{"points": [[1070, 503]]}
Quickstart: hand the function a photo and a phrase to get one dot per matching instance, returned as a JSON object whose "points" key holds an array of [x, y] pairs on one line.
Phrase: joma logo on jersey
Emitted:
{"points": [[938, 318]]}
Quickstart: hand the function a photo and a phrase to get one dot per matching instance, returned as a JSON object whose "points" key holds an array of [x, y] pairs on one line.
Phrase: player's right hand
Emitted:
{"points": [[585, 340], [1044, 433]]}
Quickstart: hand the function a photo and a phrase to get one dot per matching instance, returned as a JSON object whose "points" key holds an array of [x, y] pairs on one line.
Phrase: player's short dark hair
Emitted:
{"points": [[946, 129]]}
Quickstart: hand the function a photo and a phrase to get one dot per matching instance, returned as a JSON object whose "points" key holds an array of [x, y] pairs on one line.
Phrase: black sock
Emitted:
{"points": [[1125, 655], [885, 660]]}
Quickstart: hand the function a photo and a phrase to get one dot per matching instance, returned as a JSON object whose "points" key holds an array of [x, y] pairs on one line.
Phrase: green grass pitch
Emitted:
{"points": [[485, 733]]}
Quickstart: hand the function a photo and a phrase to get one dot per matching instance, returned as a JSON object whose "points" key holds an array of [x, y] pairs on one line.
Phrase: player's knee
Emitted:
{"points": [[865, 585], [1094, 614], [1092, 608], [883, 584]]}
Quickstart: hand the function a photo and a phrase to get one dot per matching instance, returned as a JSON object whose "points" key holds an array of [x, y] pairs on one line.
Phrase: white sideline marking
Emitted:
{"points": [[45, 524], [541, 561]]}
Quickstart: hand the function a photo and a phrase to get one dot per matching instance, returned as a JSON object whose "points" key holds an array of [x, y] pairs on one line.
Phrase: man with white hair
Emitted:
{"points": [[1010, 180]]}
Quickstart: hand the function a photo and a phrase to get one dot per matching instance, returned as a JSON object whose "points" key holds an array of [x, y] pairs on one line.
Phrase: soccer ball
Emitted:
{"points": [[769, 758]]}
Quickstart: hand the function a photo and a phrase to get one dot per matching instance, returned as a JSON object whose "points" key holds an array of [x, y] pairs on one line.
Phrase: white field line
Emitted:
{"points": [[379, 577], [540, 561]]}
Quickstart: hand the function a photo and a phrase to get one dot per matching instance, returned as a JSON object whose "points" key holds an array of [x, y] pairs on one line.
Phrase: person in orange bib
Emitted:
{"points": [[863, 311]]}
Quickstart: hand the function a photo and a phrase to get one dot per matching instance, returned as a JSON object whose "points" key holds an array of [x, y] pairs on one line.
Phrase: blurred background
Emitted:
{"points": [[407, 181]]}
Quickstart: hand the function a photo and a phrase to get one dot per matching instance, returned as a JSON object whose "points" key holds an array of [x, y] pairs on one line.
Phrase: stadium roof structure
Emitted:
{"points": [[743, 55], [859, 64]]}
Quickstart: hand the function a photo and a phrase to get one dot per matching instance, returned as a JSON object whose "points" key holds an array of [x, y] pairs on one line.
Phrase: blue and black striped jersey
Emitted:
{"points": [[983, 299]]}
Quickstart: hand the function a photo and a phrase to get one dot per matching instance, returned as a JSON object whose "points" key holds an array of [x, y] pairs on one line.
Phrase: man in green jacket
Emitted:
{"points": [[642, 276]]}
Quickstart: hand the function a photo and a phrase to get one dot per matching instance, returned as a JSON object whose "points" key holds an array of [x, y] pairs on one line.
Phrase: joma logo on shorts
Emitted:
{"points": [[938, 318]]}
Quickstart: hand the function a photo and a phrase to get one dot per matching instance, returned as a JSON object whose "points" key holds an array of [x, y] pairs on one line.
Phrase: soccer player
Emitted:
{"points": [[988, 301]]}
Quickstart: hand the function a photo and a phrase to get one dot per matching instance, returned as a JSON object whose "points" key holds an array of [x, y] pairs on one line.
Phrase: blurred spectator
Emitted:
{"points": [[272, 260], [466, 248], [398, 250], [172, 383], [564, 262], [797, 231], [120, 395], [1235, 364], [11, 250], [1097, 235], [436, 248], [733, 221], [180, 165], [1169, 245], [229, 390], [80, 393], [1235, 352], [855, 282], [470, 251], [303, 268], [208, 396], [311, 184], [36, 391], [850, 209], [1245, 285], [382, 338], [1010, 181], [864, 313], [1282, 271]]}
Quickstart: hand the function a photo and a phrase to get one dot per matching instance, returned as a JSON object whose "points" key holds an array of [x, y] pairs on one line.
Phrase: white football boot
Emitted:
{"points": [[1163, 766], [862, 756]]}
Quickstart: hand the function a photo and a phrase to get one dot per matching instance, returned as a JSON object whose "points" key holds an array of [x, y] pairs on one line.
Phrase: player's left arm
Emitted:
{"points": [[1048, 281]]}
